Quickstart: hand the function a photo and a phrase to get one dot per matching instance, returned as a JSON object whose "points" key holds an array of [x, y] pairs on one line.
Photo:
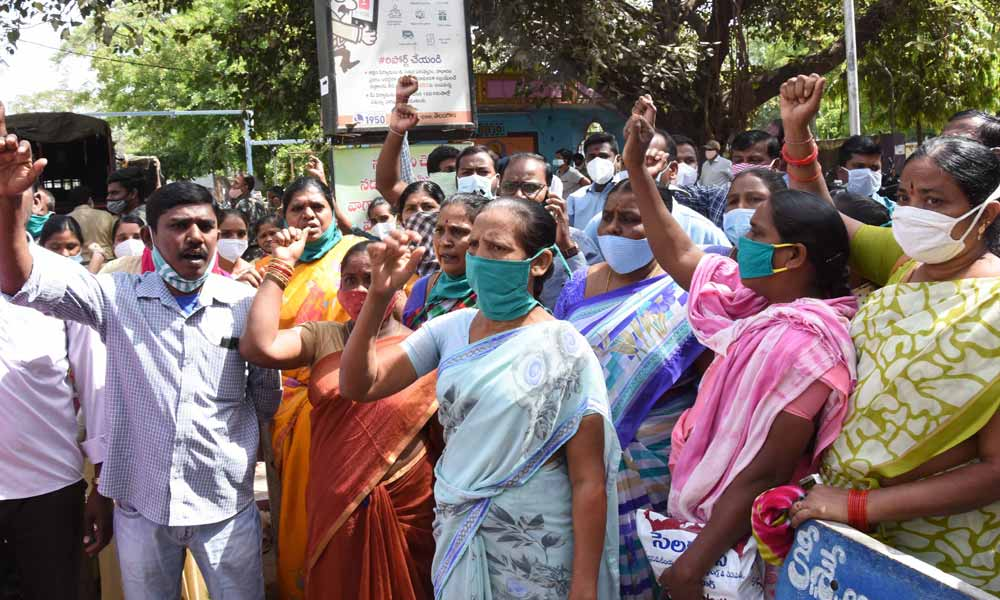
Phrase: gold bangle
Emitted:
{"points": [[802, 143], [282, 262], [277, 280]]}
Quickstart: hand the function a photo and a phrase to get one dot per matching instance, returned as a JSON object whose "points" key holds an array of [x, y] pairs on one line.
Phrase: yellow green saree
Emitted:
{"points": [[928, 379]]}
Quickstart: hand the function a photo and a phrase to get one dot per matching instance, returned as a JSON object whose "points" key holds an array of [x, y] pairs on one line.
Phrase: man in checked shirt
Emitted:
{"points": [[182, 405]]}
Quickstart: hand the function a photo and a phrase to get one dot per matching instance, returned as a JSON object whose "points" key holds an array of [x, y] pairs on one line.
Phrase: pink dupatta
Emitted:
{"points": [[767, 356]]}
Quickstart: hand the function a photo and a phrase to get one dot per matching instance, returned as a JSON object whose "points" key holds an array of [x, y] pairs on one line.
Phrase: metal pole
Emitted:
{"points": [[247, 116], [285, 142], [166, 113], [247, 143], [854, 109]]}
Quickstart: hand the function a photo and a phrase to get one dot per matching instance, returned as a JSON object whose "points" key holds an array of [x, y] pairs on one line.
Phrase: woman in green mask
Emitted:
{"points": [[525, 488], [775, 395], [310, 295], [447, 289]]}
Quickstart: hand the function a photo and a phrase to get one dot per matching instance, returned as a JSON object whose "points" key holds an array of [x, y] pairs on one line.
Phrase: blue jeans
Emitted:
{"points": [[152, 556]]}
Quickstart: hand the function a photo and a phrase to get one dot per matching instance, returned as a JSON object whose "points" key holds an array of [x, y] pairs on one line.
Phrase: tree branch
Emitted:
{"points": [[767, 85]]}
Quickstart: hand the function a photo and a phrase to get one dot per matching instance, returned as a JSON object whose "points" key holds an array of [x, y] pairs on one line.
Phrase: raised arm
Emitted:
{"points": [[800, 101], [263, 343], [367, 373], [673, 249], [388, 179], [17, 174]]}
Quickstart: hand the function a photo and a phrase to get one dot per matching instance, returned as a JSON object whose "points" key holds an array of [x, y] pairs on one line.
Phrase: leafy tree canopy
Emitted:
{"points": [[712, 65]]}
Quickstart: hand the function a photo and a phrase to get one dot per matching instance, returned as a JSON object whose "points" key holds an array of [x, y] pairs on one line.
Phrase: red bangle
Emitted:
{"points": [[857, 509], [819, 173], [799, 162]]}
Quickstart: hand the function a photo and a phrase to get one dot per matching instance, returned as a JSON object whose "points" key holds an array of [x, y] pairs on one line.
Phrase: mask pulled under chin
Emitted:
{"points": [[172, 278]]}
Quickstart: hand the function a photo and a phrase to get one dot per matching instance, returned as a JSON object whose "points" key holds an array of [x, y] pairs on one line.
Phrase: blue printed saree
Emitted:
{"points": [[508, 405]]}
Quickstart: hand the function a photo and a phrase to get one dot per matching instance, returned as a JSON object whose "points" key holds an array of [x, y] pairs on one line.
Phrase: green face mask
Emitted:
{"points": [[756, 259], [36, 223], [501, 286]]}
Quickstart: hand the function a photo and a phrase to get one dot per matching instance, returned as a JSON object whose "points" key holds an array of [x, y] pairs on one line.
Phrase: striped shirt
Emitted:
{"points": [[182, 404]]}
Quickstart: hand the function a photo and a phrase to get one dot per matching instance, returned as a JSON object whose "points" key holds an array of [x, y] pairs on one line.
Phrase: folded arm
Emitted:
{"points": [[774, 465]]}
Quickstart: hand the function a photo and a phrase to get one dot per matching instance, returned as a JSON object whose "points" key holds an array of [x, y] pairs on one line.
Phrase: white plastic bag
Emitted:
{"points": [[738, 575]]}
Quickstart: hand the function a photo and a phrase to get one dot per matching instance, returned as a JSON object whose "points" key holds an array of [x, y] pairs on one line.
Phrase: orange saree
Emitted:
{"points": [[370, 534]]}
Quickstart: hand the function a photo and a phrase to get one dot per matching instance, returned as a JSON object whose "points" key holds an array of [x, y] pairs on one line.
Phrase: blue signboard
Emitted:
{"points": [[830, 561]]}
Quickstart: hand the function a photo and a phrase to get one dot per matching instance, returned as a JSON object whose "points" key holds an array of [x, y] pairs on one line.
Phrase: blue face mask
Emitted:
{"points": [[171, 278], [625, 255], [864, 181], [501, 286], [78, 258], [756, 259], [736, 223]]}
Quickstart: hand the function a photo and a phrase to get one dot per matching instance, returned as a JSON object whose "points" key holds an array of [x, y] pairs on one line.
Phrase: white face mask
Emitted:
{"points": [[864, 181], [476, 184], [381, 230], [232, 250], [925, 235], [686, 174], [129, 247], [601, 170], [557, 163]]}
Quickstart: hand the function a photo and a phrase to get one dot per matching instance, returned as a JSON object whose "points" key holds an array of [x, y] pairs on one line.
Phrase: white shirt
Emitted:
{"points": [[39, 451]]}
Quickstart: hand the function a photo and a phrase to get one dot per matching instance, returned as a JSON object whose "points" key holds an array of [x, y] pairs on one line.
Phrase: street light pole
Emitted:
{"points": [[853, 96]]}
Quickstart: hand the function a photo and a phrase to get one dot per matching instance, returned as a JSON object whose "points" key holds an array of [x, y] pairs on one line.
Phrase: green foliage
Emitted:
{"points": [[926, 63], [713, 66], [168, 63], [944, 56]]}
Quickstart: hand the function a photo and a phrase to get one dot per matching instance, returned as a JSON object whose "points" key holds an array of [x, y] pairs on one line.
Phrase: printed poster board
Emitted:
{"points": [[354, 176], [366, 45]]}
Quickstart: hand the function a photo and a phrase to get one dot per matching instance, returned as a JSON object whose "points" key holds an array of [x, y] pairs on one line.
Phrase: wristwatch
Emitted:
{"points": [[571, 251]]}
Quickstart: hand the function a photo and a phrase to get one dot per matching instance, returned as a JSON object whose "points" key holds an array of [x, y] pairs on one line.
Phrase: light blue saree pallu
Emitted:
{"points": [[508, 404]]}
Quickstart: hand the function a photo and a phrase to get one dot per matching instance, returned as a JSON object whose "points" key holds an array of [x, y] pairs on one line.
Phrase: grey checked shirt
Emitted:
{"points": [[182, 404]]}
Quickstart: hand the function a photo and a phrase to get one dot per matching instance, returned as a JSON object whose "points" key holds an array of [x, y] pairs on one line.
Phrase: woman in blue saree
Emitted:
{"points": [[635, 318], [530, 459]]}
